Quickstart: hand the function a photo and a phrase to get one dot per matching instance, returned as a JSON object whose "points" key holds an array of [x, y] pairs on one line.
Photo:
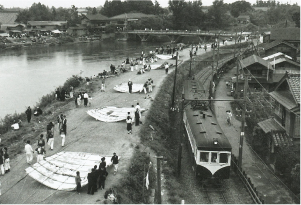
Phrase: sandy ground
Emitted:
{"points": [[85, 134]]}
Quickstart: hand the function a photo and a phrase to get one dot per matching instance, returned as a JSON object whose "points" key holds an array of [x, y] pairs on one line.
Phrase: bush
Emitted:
{"points": [[74, 81]]}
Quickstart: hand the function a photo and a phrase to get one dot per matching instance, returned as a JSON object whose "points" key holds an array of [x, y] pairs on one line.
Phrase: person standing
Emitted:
{"points": [[145, 88], [64, 124], [90, 182], [137, 117], [115, 160], [63, 136], [29, 152], [41, 141], [41, 152], [28, 113], [95, 177], [166, 68], [6, 161], [129, 124], [103, 83], [78, 100], [132, 112], [2, 162], [58, 94], [103, 162], [86, 96], [205, 47], [102, 177], [78, 182], [150, 85], [130, 84], [50, 133]]}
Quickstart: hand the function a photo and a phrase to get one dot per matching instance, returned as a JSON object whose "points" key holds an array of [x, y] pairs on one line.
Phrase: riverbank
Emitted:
{"points": [[85, 134]]}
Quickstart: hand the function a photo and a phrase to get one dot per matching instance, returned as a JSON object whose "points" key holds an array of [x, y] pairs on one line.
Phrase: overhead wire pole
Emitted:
{"points": [[159, 199], [242, 133], [174, 85], [181, 135]]}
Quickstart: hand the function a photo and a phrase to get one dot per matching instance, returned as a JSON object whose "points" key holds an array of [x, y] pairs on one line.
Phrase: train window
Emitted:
{"points": [[213, 157], [204, 156], [223, 158]]}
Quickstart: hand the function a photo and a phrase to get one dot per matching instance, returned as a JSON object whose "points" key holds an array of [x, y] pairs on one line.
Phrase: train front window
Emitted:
{"points": [[204, 156], [223, 158], [213, 157]]}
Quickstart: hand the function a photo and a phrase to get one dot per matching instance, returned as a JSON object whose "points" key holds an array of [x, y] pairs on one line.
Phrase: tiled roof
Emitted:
{"points": [[8, 17], [276, 55], [96, 17], [46, 23], [254, 59], [132, 16], [268, 46], [278, 133], [294, 84], [289, 34], [283, 97]]}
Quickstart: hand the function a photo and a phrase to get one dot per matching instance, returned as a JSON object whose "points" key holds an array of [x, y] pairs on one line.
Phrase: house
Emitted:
{"points": [[122, 19], [259, 71], [289, 35], [78, 30], [8, 17], [266, 37], [243, 19], [284, 126], [281, 63], [41, 27], [12, 29], [280, 46], [95, 23]]}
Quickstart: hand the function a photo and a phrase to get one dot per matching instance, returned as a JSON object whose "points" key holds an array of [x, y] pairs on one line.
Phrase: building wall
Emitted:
{"points": [[286, 65], [296, 130]]}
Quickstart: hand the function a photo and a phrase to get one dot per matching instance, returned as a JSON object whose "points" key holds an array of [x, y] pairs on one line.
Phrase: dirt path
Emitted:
{"points": [[85, 134]]}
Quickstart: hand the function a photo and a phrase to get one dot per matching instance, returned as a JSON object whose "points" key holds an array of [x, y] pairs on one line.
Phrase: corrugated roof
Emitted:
{"points": [[283, 97], [132, 16], [289, 34], [46, 23], [294, 84], [96, 17], [270, 125], [8, 17], [254, 59]]}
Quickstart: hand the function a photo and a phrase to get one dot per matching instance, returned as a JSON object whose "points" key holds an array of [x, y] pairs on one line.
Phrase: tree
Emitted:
{"points": [[177, 8], [73, 18], [94, 11], [240, 7], [296, 18], [217, 16]]}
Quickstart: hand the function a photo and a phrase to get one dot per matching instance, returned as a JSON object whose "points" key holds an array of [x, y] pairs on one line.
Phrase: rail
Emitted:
{"points": [[246, 181], [215, 196]]}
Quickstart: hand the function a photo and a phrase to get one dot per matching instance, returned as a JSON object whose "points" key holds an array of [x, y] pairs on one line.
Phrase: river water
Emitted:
{"points": [[28, 74]]}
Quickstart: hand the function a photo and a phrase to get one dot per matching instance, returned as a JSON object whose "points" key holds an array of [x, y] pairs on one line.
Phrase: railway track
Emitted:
{"points": [[215, 195]]}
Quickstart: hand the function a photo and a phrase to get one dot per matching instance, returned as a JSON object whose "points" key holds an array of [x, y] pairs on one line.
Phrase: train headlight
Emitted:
{"points": [[215, 141]]}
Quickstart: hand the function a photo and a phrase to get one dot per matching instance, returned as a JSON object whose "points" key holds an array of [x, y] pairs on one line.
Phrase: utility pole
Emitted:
{"points": [[174, 85], [242, 133], [190, 65], [217, 50], [181, 135], [159, 201], [235, 42], [236, 84]]}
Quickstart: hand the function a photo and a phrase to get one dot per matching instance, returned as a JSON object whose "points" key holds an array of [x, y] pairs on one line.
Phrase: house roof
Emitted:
{"points": [[280, 60], [283, 98], [247, 17], [289, 34], [96, 17], [132, 16], [8, 17], [268, 46], [279, 54], [294, 84], [254, 59], [278, 133], [270, 125], [46, 23]]}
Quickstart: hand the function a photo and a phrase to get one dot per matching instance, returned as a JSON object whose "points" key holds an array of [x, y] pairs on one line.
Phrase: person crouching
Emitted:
{"points": [[40, 151]]}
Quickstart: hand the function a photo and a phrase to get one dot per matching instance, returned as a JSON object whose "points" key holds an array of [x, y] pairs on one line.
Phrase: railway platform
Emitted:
{"points": [[265, 181]]}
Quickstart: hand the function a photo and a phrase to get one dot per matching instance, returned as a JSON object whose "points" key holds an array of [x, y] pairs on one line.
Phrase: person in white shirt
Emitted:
{"points": [[29, 152], [86, 97]]}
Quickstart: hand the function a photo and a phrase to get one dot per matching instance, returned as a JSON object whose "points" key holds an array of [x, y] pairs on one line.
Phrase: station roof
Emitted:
{"points": [[254, 59]]}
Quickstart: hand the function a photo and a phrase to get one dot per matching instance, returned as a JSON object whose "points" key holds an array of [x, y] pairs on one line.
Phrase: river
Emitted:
{"points": [[28, 74]]}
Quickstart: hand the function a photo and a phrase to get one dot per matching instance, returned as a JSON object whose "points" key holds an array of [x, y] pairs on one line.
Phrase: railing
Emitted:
{"points": [[246, 181], [178, 32]]}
